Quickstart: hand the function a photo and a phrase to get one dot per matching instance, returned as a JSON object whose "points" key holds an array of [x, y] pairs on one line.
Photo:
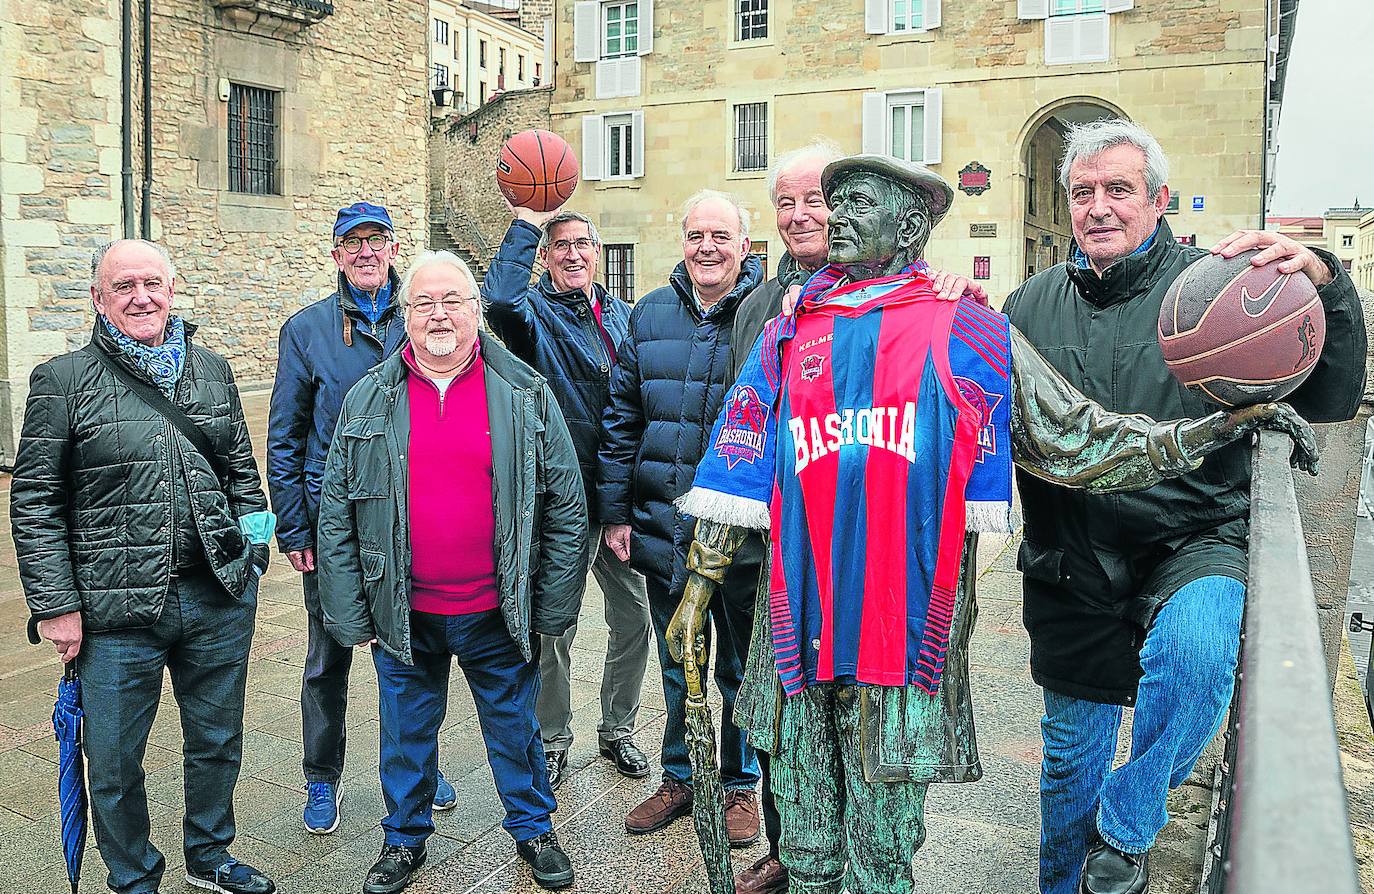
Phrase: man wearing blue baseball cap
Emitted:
{"points": [[324, 349]]}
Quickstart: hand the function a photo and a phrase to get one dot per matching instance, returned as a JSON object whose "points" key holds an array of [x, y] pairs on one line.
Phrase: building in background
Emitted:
{"points": [[1363, 272], [661, 99], [479, 50], [266, 116], [1338, 231]]}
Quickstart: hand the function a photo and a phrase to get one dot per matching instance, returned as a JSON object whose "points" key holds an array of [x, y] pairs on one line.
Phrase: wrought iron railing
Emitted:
{"points": [[466, 233], [1280, 822]]}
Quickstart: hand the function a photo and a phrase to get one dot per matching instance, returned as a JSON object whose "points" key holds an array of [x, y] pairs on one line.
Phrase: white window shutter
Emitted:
{"points": [[547, 79], [593, 148], [1093, 38], [586, 31], [932, 14], [1120, 5], [646, 28], [637, 143], [607, 78], [875, 16], [1032, 9], [874, 140], [934, 129], [1061, 40], [629, 76]]}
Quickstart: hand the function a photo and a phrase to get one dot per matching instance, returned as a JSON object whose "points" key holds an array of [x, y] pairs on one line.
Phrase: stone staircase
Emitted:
{"points": [[441, 240]]}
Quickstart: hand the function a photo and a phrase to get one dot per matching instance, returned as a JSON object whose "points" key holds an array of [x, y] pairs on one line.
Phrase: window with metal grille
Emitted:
{"points": [[441, 32], [906, 15], [751, 136], [620, 272], [253, 140], [440, 75], [759, 250], [620, 30], [619, 146], [751, 19]]}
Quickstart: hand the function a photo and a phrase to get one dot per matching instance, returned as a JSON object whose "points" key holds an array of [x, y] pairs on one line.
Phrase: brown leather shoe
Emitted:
{"points": [[672, 800], [742, 817], [766, 876]]}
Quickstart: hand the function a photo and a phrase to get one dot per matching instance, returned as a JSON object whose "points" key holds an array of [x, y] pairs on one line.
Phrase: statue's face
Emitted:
{"points": [[863, 221]]}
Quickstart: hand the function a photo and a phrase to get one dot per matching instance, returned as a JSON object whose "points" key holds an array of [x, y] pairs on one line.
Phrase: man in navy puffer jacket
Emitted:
{"points": [[666, 391], [568, 328]]}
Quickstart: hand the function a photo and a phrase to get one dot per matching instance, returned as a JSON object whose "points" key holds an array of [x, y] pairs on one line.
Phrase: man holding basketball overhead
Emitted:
{"points": [[1135, 599], [569, 328]]}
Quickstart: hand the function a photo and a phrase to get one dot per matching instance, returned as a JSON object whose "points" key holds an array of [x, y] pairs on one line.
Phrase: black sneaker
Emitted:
{"points": [[393, 869], [552, 868], [231, 877]]}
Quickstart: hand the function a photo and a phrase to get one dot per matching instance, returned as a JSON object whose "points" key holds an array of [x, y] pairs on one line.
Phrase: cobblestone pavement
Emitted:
{"points": [[982, 839]]}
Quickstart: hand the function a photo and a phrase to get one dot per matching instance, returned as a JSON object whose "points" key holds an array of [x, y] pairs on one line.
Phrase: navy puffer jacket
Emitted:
{"points": [[666, 392], [556, 333]]}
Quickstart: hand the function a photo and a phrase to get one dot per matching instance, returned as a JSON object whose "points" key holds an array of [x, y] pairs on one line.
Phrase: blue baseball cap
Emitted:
{"points": [[361, 213]]}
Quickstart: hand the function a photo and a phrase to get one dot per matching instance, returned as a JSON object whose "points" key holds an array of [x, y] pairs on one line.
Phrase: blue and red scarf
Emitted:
{"points": [[867, 432]]}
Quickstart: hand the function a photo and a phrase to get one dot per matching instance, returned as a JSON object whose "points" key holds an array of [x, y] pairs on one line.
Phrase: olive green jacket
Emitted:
{"points": [[540, 508]]}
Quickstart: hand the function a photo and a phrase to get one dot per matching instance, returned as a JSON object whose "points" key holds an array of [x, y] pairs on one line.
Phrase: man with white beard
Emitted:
{"points": [[453, 525]]}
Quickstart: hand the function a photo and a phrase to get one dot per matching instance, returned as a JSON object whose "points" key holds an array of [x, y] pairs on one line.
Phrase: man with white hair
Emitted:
{"points": [[667, 387], [453, 524], [569, 328], [1135, 599]]}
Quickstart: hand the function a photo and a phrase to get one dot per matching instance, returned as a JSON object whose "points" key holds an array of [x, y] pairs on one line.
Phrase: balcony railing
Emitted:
{"points": [[273, 17], [1280, 822]]}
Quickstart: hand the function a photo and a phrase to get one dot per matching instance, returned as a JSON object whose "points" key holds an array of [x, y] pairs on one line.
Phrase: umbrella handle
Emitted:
{"points": [[69, 673], [696, 695]]}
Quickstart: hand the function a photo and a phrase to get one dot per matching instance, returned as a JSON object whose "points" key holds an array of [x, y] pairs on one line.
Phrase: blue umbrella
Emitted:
{"points": [[71, 771]]}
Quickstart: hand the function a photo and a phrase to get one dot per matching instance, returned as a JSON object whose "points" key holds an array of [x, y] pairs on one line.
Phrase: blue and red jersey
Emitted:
{"points": [[866, 432]]}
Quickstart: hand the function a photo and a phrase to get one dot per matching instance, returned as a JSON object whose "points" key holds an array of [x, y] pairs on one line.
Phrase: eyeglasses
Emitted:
{"points": [[452, 302], [562, 245], [126, 287], [354, 244]]}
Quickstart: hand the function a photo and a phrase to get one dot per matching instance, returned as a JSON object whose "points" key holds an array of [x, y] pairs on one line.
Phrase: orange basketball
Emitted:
{"points": [[537, 170]]}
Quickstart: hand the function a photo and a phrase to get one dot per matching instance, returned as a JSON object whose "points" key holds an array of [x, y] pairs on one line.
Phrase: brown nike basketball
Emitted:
{"points": [[1237, 334]]}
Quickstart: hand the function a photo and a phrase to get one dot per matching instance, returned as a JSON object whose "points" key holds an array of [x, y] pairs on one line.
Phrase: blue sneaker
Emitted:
{"points": [[322, 807], [231, 877], [445, 798]]}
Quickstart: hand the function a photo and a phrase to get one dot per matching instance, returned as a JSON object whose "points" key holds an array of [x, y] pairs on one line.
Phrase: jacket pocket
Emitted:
{"points": [[1042, 563], [374, 566]]}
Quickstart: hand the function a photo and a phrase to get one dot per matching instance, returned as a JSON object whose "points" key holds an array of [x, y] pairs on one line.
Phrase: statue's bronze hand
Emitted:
{"points": [[688, 624], [1276, 417]]}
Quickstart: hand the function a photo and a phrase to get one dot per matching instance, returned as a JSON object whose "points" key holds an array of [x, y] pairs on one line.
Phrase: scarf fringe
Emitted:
{"points": [[990, 517], [727, 509]]}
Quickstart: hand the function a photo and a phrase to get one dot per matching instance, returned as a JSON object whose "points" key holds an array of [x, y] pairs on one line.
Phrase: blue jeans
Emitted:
{"points": [[413, 700], [732, 616], [1189, 665], [202, 638]]}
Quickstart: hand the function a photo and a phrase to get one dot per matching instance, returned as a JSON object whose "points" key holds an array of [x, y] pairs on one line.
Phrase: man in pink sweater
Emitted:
{"points": [[453, 525]]}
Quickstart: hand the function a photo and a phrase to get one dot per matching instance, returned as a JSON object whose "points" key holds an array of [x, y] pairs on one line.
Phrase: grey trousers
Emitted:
{"points": [[627, 656]]}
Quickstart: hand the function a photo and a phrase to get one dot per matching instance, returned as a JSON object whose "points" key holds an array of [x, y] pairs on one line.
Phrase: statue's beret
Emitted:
{"points": [[937, 192]]}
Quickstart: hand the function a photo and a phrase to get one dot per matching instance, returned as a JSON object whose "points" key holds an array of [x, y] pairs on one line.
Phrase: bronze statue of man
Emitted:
{"points": [[873, 434]]}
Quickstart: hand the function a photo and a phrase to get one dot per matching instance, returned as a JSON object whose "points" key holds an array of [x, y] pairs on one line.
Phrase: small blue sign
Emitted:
{"points": [[1197, 203]]}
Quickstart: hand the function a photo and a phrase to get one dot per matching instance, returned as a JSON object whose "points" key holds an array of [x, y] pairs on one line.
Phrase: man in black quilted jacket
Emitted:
{"points": [[134, 558]]}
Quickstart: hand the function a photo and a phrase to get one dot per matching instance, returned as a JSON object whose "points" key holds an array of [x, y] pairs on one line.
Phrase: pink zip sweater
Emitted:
{"points": [[452, 525]]}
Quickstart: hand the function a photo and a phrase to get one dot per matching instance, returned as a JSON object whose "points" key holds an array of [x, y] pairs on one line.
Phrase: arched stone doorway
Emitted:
{"points": [[1045, 212]]}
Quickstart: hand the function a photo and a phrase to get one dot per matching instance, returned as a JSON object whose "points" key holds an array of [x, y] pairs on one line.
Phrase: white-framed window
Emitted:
{"points": [[613, 146], [751, 19], [441, 32], [619, 30], [614, 35], [1347, 240], [440, 75], [749, 145], [1075, 30], [901, 16], [904, 123]]}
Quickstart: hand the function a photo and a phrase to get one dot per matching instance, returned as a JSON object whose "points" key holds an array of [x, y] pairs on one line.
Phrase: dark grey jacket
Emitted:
{"points": [[1097, 566], [92, 506], [540, 509]]}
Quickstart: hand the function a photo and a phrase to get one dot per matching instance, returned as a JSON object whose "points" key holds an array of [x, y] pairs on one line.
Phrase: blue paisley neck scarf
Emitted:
{"points": [[161, 365]]}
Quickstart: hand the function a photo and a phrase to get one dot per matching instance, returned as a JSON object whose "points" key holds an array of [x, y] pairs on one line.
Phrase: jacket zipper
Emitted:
{"points": [[588, 318]]}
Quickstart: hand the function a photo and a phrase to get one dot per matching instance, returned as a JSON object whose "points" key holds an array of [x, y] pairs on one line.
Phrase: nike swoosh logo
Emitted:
{"points": [[1255, 306]]}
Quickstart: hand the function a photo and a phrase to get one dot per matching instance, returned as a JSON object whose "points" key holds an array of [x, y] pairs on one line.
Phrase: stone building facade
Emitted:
{"points": [[478, 51], [707, 95], [328, 105]]}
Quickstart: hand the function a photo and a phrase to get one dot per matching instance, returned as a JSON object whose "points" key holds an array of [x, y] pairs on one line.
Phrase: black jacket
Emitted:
{"points": [[1098, 566], [92, 506], [556, 333], [667, 389]]}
